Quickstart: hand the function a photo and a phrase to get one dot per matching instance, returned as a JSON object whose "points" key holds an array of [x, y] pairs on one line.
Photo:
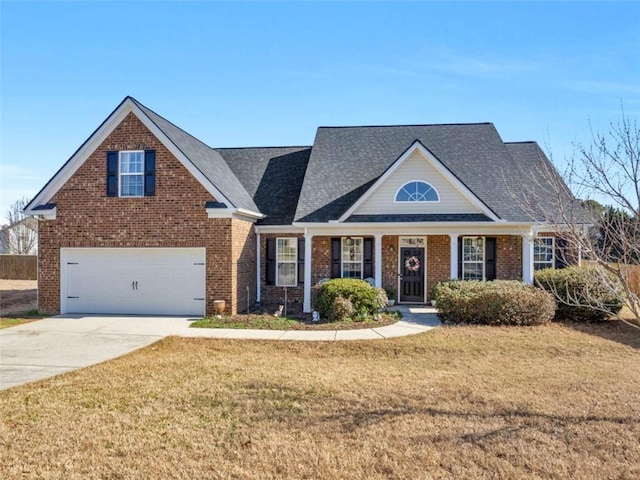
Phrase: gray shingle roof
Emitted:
{"points": [[205, 159], [346, 161], [320, 183], [272, 176], [541, 190]]}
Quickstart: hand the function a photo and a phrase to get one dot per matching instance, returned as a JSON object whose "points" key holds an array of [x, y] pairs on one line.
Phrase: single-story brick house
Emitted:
{"points": [[145, 218]]}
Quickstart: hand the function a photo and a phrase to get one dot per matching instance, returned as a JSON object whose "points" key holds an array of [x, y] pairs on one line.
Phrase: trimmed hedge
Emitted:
{"points": [[499, 302], [582, 293], [365, 299]]}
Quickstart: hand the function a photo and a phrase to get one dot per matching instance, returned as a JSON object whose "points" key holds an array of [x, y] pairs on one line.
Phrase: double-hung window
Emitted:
{"points": [[287, 262], [473, 258], [352, 257], [543, 253], [131, 172]]}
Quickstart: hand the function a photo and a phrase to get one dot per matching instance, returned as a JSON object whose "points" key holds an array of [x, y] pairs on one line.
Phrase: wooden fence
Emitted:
{"points": [[19, 267]]}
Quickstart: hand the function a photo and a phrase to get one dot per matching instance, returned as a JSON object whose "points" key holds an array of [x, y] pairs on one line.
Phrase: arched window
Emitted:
{"points": [[417, 191]]}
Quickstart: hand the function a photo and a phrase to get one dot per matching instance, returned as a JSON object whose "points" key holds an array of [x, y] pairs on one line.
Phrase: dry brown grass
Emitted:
{"points": [[18, 297], [459, 402]]}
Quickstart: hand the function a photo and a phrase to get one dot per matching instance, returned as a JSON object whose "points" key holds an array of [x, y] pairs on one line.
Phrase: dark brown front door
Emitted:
{"points": [[412, 275]]}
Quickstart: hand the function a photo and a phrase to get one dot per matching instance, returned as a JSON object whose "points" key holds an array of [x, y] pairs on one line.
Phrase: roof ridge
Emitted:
{"points": [[252, 148], [408, 125]]}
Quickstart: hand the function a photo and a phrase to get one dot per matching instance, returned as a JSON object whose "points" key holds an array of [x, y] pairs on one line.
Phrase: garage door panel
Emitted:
{"points": [[134, 280]]}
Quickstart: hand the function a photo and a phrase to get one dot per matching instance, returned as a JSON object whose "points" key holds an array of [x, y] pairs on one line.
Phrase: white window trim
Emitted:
{"points": [[120, 174], [294, 262], [342, 260], [553, 253], [475, 262], [395, 197]]}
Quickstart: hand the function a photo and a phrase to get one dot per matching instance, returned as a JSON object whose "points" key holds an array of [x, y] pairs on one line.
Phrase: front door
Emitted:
{"points": [[412, 270]]}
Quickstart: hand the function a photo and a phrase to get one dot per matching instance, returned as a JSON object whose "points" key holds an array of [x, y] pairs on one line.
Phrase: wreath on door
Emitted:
{"points": [[412, 264]]}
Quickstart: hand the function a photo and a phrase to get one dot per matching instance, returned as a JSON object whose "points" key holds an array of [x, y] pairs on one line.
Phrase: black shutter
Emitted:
{"points": [[270, 262], [301, 261], [367, 250], [561, 253], [490, 250], [149, 173], [336, 246], [460, 258], [112, 174]]}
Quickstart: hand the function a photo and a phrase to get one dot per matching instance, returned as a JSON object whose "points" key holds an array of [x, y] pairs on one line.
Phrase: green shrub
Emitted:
{"points": [[500, 302], [582, 293], [364, 298], [341, 310]]}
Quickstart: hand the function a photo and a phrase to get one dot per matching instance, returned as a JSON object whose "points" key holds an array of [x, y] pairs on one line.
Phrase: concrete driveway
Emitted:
{"points": [[56, 345], [47, 347]]}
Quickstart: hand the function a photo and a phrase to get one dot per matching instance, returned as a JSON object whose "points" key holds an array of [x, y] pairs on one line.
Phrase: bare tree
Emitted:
{"points": [[607, 170], [20, 236]]}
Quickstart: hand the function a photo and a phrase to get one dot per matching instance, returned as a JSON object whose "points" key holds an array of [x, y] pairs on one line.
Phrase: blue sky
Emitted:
{"points": [[261, 73]]}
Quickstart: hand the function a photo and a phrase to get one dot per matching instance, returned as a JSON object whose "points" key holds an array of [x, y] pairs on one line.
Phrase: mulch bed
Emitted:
{"points": [[271, 317]]}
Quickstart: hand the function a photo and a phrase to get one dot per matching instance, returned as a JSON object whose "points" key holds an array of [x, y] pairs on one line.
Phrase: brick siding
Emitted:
{"points": [[509, 257], [272, 294], [174, 217]]}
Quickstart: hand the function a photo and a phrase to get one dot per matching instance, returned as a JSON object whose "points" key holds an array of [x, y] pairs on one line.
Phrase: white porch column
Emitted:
{"points": [[453, 239], [527, 258], [378, 259], [579, 255], [306, 304], [258, 249]]}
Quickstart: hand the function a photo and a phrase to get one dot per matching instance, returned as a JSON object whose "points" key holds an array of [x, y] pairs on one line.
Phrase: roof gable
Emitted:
{"points": [[204, 163], [417, 163], [347, 161]]}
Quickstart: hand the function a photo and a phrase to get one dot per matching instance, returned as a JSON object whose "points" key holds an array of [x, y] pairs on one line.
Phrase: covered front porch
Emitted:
{"points": [[405, 261]]}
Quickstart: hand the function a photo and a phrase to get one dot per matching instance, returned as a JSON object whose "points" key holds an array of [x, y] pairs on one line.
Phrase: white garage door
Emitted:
{"points": [[162, 281]]}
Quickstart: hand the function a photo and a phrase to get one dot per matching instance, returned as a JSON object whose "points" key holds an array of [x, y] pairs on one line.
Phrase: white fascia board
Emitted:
{"points": [[78, 158], [219, 212], [279, 229], [417, 146], [250, 213], [412, 228], [99, 136], [238, 213], [43, 214]]}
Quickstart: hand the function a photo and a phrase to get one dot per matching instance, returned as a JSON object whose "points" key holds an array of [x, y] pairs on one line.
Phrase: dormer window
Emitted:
{"points": [[417, 192]]}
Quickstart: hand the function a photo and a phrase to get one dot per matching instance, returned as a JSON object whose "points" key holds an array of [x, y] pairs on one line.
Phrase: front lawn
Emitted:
{"points": [[12, 322], [554, 401]]}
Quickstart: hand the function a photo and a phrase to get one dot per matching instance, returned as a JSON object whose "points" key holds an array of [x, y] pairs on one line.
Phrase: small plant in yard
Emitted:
{"points": [[500, 302], [580, 292], [341, 310], [363, 297]]}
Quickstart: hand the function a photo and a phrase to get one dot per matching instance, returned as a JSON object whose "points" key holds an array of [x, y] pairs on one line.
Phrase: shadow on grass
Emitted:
{"points": [[355, 420], [614, 330]]}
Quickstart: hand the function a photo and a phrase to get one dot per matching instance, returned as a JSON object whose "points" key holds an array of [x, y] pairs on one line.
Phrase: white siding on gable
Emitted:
{"points": [[416, 167]]}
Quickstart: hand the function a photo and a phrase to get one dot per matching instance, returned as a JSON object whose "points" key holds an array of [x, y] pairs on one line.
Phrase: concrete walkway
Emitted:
{"points": [[55, 345]]}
